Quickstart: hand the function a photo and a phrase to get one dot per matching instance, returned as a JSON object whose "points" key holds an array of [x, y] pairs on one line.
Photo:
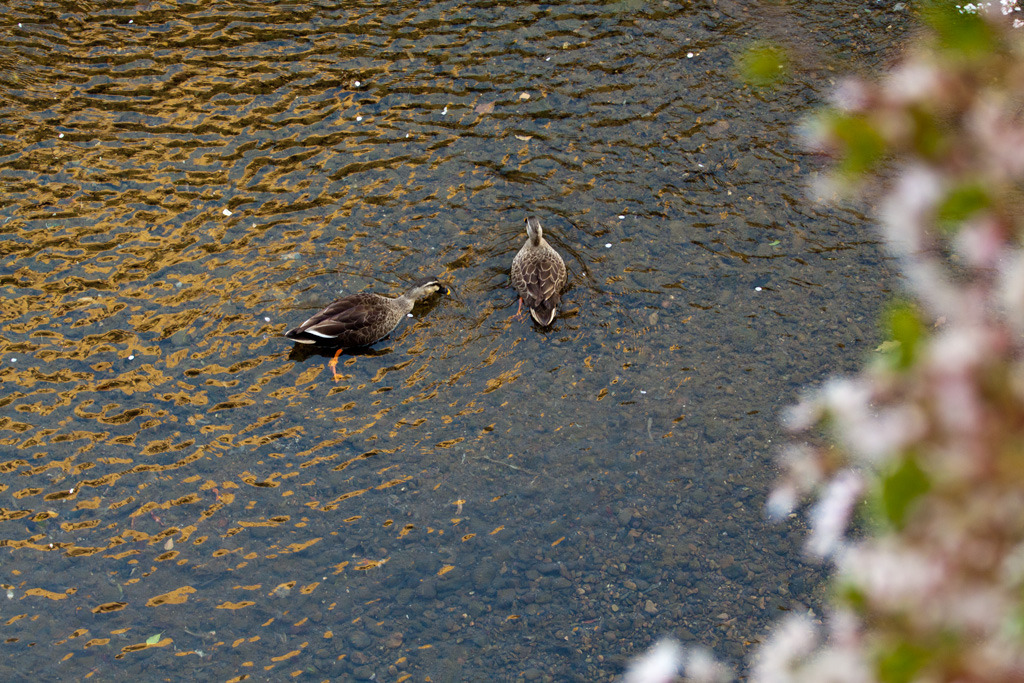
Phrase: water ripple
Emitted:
{"points": [[183, 181]]}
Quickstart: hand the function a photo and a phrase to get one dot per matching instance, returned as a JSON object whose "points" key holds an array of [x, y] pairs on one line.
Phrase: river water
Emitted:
{"points": [[184, 493]]}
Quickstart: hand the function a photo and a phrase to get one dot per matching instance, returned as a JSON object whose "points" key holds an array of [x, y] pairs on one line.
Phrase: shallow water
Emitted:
{"points": [[183, 491]]}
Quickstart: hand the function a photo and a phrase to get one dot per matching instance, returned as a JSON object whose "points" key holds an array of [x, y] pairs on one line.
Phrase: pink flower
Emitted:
{"points": [[660, 664], [790, 642], [831, 514]]}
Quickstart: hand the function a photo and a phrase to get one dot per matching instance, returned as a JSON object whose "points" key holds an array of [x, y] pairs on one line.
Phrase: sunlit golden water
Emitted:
{"points": [[183, 492]]}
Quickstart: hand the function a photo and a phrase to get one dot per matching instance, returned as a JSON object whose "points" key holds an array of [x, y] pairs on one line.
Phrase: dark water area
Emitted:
{"points": [[185, 493]]}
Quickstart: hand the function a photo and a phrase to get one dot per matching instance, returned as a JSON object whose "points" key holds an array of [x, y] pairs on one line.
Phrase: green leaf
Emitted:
{"points": [[962, 203], [862, 144], [901, 662], [153, 640], [852, 596], [964, 36], [906, 328], [763, 64], [901, 488], [931, 136], [1017, 617]]}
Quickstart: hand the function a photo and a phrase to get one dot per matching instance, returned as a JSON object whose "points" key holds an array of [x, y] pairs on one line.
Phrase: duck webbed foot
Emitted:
{"points": [[333, 365]]}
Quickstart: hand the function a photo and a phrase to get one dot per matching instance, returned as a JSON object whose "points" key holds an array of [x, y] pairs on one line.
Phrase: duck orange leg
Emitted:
{"points": [[519, 311], [333, 365]]}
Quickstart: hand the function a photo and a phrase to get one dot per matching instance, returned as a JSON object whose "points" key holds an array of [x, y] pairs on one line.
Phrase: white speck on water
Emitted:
{"points": [[608, 245], [266, 319], [408, 315], [10, 593], [131, 357], [60, 135], [70, 491], [14, 360], [357, 84], [757, 289], [689, 55], [642, 391], [445, 110], [547, 59], [131, 21], [359, 118], [622, 218], [226, 212]]}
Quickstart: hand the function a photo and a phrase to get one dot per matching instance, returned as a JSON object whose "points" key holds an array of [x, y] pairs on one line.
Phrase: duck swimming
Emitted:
{"points": [[361, 319], [538, 274]]}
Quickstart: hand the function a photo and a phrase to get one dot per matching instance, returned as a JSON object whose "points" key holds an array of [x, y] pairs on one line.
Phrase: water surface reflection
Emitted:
{"points": [[183, 490]]}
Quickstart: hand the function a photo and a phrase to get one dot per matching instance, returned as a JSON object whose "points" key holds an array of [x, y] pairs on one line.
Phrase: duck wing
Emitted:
{"points": [[542, 283], [353, 320]]}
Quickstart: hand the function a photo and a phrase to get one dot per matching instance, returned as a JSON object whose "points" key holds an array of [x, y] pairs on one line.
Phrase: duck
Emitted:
{"points": [[361, 319], [538, 274]]}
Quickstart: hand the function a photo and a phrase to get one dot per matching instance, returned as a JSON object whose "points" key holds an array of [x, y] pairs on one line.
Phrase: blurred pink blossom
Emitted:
{"points": [[660, 664], [831, 514], [791, 641], [933, 585]]}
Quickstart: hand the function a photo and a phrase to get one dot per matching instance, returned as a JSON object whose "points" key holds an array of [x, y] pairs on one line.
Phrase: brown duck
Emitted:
{"points": [[538, 274], [361, 319]]}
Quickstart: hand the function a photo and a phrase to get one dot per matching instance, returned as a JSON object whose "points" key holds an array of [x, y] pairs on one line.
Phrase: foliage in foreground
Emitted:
{"points": [[925, 446]]}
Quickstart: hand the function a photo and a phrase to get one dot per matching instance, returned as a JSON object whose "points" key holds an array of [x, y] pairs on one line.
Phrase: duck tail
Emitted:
{"points": [[544, 313], [297, 334]]}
